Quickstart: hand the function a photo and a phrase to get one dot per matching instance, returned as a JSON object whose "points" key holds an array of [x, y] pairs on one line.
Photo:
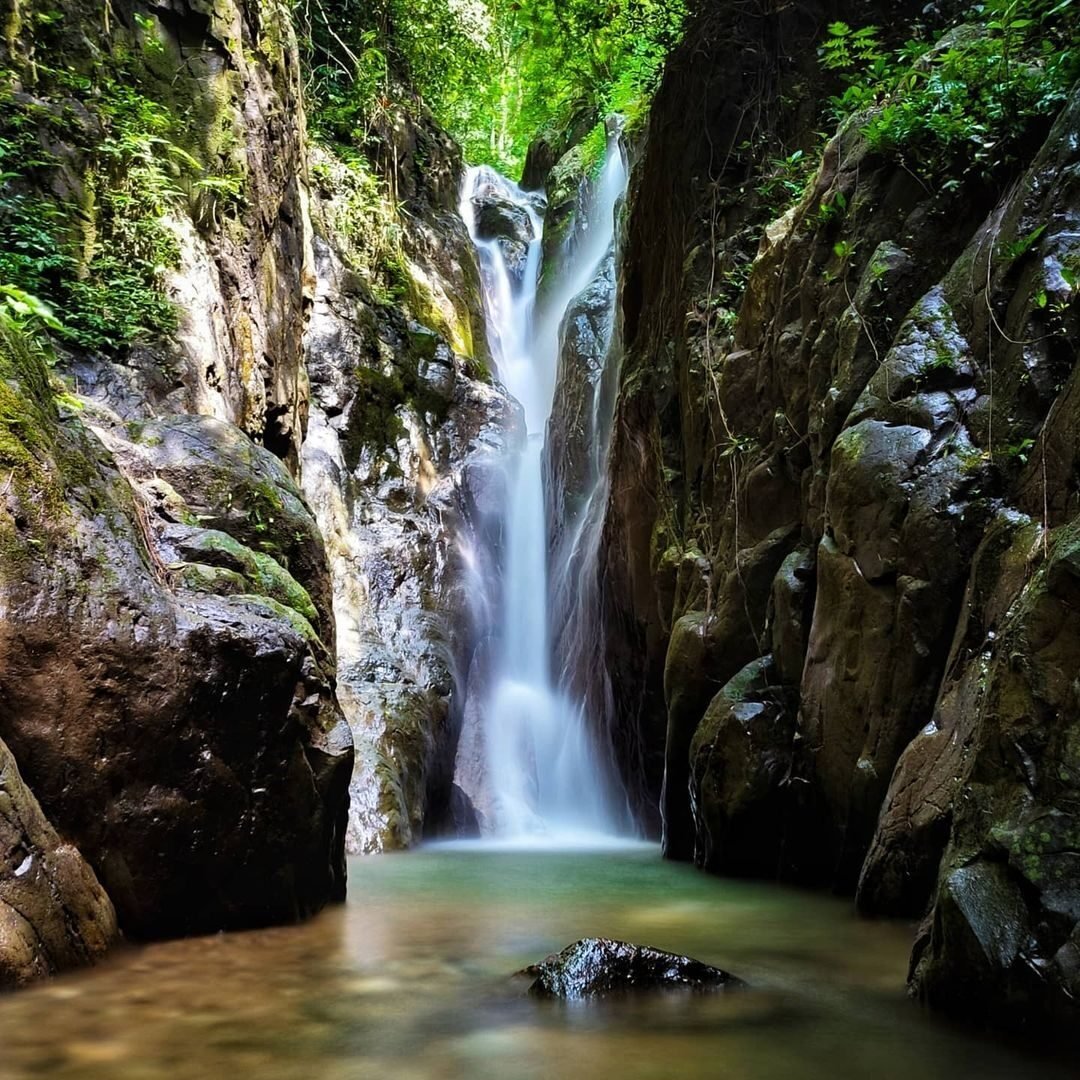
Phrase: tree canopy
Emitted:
{"points": [[494, 72]]}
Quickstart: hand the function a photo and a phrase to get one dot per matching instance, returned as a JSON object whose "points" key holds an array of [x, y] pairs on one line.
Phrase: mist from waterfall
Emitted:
{"points": [[547, 774]]}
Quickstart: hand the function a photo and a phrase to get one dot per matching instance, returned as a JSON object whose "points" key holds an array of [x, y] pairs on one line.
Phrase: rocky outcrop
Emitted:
{"points": [[740, 763], [53, 912], [838, 497], [507, 224], [574, 440], [550, 147], [1002, 937], [174, 718], [180, 618], [218, 86], [597, 967], [403, 467], [167, 635]]}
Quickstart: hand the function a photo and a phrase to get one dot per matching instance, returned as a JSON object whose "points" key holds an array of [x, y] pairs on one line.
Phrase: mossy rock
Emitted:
{"points": [[232, 561], [28, 416], [235, 487], [215, 580], [288, 614]]}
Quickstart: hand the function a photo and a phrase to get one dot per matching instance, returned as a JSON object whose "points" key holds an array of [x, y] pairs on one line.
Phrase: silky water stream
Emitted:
{"points": [[546, 773]]}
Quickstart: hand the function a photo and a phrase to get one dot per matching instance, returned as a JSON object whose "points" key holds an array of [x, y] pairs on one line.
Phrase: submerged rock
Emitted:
{"points": [[595, 967]]}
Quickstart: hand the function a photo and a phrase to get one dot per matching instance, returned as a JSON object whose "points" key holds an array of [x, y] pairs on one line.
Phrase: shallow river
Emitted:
{"points": [[410, 980]]}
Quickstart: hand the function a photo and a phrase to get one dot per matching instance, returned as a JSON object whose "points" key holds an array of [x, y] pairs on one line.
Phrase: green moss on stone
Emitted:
{"points": [[29, 470], [259, 572], [288, 614], [216, 580]]}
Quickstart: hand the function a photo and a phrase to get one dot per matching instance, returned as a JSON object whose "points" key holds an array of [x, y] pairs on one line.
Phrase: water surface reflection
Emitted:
{"points": [[409, 980]]}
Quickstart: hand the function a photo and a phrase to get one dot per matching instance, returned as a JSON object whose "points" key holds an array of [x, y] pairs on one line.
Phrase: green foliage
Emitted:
{"points": [[964, 100], [25, 312], [1019, 451], [365, 217], [90, 234], [833, 210], [496, 73], [786, 178], [573, 57], [27, 412], [99, 261]]}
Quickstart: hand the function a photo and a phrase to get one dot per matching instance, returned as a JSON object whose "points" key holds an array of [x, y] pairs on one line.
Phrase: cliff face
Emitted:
{"points": [[403, 467], [842, 507], [169, 608], [170, 145], [166, 641]]}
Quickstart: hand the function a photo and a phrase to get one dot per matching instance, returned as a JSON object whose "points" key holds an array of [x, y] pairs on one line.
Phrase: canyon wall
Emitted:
{"points": [[238, 471], [836, 559]]}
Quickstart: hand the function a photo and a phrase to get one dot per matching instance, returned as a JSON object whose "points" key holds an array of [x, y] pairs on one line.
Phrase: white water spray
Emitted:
{"points": [[544, 776]]}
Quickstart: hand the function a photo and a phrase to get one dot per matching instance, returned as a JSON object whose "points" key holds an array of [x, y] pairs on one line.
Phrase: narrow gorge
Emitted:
{"points": [[479, 477]]}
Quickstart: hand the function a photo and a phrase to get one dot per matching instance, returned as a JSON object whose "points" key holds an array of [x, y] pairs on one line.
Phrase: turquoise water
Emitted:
{"points": [[411, 979]]}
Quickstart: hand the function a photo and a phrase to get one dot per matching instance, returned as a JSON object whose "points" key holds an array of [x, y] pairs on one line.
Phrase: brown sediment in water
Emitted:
{"points": [[410, 979]]}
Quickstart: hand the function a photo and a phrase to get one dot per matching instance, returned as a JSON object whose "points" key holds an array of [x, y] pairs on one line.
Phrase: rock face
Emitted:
{"points": [[740, 756], [167, 674], [508, 224], [402, 466], [169, 610], [53, 912], [599, 967], [224, 80], [173, 717], [573, 445], [1006, 911], [837, 547]]}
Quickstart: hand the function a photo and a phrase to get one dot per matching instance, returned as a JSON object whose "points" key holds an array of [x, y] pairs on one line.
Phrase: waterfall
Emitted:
{"points": [[542, 770]]}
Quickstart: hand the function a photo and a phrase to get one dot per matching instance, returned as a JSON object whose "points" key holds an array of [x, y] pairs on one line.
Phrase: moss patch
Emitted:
{"points": [[32, 487], [257, 572]]}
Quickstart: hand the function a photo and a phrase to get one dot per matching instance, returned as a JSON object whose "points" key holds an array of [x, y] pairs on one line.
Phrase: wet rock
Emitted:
{"points": [[1007, 902], [232, 487], [189, 743], [597, 967], [572, 444], [472, 762], [901, 869], [507, 223], [53, 913], [403, 469], [791, 613], [498, 218], [705, 651], [740, 774], [463, 819]]}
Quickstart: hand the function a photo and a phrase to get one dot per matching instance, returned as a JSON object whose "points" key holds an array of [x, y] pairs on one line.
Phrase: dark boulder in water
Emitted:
{"points": [[497, 218], [595, 967], [509, 224]]}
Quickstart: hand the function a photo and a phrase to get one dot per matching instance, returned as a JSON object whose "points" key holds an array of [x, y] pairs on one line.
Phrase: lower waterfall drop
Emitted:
{"points": [[543, 774]]}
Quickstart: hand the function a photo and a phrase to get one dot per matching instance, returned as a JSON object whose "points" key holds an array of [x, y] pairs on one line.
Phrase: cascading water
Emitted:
{"points": [[544, 772]]}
